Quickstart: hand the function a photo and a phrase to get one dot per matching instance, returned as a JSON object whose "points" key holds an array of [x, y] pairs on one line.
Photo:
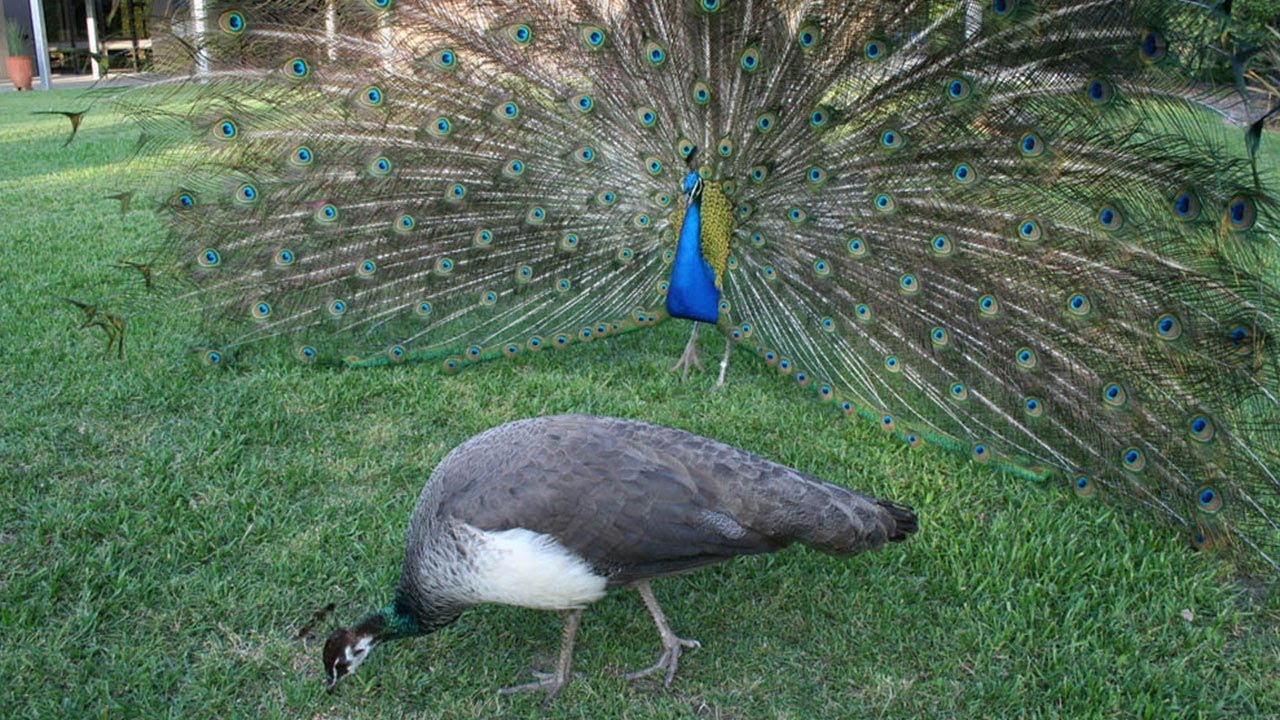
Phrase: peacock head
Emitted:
{"points": [[345, 649], [691, 187]]}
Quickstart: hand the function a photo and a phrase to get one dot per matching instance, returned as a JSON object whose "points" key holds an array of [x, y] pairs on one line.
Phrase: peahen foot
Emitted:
{"points": [[553, 682], [549, 682], [672, 645], [690, 357]]}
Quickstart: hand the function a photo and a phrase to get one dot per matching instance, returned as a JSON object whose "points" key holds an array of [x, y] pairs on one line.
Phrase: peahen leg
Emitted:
{"points": [[690, 356], [553, 682], [671, 644]]}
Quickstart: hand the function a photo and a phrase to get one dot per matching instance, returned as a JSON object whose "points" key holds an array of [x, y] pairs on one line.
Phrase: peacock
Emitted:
{"points": [[1032, 231], [549, 513]]}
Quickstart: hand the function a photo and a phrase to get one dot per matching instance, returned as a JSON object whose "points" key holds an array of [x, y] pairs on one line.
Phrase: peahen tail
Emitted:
{"points": [[1020, 228]]}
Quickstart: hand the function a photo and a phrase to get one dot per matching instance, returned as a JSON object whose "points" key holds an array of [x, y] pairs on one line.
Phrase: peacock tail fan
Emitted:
{"points": [[1020, 228]]}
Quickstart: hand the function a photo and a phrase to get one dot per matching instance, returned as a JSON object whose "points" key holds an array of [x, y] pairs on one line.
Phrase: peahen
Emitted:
{"points": [[548, 513], [1021, 229]]}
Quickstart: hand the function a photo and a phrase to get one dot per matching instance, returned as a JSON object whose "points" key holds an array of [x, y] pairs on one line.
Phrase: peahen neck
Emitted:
{"points": [[692, 293], [389, 624], [397, 620]]}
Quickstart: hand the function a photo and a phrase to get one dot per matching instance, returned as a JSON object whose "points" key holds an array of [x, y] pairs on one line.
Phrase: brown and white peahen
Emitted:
{"points": [[550, 513]]}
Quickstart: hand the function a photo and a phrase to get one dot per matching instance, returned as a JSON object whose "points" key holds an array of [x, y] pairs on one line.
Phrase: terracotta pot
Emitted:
{"points": [[20, 71]]}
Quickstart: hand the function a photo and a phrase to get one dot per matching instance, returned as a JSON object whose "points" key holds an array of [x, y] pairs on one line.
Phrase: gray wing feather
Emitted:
{"points": [[638, 500]]}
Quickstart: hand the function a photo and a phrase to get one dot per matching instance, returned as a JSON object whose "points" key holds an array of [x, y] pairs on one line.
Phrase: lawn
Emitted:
{"points": [[167, 529]]}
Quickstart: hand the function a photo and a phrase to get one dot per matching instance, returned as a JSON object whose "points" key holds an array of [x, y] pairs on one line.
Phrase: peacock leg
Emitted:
{"points": [[553, 682], [724, 362], [690, 356], [671, 644]]}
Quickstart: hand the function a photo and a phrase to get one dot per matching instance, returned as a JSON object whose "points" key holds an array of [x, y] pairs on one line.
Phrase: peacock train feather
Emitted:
{"points": [[1019, 228]]}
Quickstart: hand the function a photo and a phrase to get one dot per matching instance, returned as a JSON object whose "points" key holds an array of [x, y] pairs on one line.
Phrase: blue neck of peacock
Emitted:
{"points": [[692, 293]]}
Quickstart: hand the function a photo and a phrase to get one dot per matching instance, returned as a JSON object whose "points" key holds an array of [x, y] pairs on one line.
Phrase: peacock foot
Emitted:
{"points": [[687, 361], [669, 660], [549, 682], [689, 358]]}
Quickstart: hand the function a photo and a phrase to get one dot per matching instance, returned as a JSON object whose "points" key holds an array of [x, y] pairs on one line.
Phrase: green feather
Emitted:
{"points": [[1017, 229]]}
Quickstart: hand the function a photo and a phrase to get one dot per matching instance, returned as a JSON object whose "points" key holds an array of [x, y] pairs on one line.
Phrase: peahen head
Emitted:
{"points": [[348, 647], [345, 649]]}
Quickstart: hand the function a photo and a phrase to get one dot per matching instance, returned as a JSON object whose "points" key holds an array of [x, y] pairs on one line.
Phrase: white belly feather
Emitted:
{"points": [[529, 569]]}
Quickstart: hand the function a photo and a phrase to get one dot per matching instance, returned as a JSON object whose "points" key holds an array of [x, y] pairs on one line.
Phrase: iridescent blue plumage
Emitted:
{"points": [[693, 294]]}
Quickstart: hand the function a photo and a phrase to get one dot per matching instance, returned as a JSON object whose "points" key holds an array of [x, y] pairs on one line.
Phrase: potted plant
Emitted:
{"points": [[19, 63]]}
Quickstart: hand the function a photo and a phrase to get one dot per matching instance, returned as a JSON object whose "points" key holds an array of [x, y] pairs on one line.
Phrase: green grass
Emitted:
{"points": [[166, 530]]}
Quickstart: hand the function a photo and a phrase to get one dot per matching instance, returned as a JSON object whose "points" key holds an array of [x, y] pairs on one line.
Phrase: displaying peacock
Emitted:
{"points": [[548, 513], [1017, 228]]}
